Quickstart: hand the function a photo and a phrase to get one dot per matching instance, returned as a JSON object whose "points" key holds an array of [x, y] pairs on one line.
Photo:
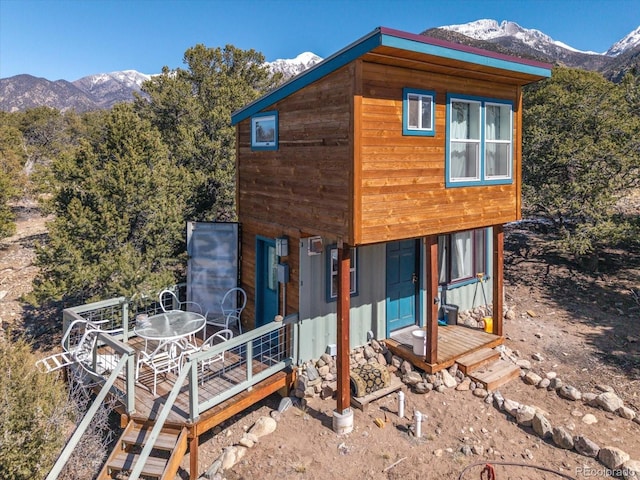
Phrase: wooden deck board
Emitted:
{"points": [[454, 341]]}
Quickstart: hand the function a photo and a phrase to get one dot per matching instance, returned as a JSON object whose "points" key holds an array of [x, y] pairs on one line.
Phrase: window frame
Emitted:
{"points": [[480, 258], [419, 131], [258, 145], [482, 177], [331, 273]]}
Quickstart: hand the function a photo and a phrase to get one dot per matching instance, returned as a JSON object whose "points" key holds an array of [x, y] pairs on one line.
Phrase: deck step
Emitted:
{"points": [[475, 360], [139, 435], [496, 374], [123, 461]]}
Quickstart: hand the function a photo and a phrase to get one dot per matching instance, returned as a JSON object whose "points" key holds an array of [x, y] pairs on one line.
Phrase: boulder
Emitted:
{"points": [[609, 401], [263, 426], [541, 426], [448, 380], [570, 393], [524, 415], [562, 438], [612, 457], [631, 470], [585, 447]]}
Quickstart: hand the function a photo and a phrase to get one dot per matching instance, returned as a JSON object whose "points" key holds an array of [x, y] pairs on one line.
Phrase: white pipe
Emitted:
{"points": [[401, 404], [418, 424]]}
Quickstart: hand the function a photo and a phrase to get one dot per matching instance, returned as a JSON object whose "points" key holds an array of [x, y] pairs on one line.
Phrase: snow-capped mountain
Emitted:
{"points": [[627, 43], [293, 66]]}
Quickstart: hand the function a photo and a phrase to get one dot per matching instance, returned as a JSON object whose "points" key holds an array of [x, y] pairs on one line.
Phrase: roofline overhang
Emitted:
{"points": [[388, 37]]}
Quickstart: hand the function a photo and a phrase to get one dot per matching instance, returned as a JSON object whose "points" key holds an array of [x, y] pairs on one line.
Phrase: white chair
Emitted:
{"points": [[164, 359], [168, 300], [215, 339], [231, 308]]}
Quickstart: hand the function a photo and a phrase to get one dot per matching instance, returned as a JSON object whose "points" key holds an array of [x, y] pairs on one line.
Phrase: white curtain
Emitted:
{"points": [[461, 260]]}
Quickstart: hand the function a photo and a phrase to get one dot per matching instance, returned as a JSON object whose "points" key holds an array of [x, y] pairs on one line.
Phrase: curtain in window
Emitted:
{"points": [[462, 256]]}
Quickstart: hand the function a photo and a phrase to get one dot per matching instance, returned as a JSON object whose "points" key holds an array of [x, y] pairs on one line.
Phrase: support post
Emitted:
{"points": [[498, 278], [432, 296], [344, 299], [193, 457]]}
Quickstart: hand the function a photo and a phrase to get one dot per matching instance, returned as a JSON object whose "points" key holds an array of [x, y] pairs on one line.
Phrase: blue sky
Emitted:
{"points": [[70, 39]]}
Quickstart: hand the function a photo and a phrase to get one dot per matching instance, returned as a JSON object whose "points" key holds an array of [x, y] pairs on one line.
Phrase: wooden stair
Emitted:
{"points": [[485, 366], [164, 461]]}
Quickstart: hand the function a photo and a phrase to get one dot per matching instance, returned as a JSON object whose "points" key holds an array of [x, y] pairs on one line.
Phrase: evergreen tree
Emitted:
{"points": [[118, 205], [580, 156]]}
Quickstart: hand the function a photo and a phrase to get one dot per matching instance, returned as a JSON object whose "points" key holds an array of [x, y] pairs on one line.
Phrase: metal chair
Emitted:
{"points": [[168, 300], [164, 359], [231, 308], [215, 339]]}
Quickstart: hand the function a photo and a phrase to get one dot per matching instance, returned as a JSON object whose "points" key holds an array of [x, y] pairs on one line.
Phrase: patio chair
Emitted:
{"points": [[164, 359], [215, 339], [168, 300], [231, 308]]}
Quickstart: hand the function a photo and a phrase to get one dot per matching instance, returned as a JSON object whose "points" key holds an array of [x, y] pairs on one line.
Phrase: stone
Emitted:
{"points": [[542, 426], [609, 401], [498, 399], [537, 357], [589, 419], [312, 373], [232, 455], [406, 367], [585, 447], [589, 398], [562, 438], [285, 404], [570, 393], [480, 392], [524, 415], [464, 385], [440, 388], [510, 315], [422, 388], [324, 370], [544, 383], [447, 380], [612, 457], [477, 449], [466, 450], [412, 378], [369, 352], [551, 375], [263, 426], [626, 412], [605, 388], [524, 364], [510, 406], [631, 470], [532, 378]]}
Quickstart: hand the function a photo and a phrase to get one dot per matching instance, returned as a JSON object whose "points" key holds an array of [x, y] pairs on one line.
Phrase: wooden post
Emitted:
{"points": [[432, 295], [193, 458], [344, 298], [498, 278]]}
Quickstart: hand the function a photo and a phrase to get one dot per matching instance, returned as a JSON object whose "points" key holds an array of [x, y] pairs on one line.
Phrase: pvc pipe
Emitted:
{"points": [[418, 424], [401, 404]]}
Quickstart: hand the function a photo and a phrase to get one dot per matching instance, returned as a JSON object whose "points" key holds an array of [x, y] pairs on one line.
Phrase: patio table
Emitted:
{"points": [[171, 325]]}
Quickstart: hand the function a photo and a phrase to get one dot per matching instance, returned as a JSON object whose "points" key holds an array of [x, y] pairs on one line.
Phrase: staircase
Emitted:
{"points": [[485, 366], [164, 461]]}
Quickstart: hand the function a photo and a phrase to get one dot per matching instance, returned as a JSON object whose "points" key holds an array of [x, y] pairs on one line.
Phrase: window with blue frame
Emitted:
{"points": [[418, 112], [264, 131], [479, 141], [332, 273], [461, 256]]}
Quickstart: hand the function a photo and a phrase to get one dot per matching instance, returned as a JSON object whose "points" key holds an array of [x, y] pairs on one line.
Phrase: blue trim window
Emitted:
{"points": [[479, 141], [332, 273], [461, 256], [264, 131], [418, 112]]}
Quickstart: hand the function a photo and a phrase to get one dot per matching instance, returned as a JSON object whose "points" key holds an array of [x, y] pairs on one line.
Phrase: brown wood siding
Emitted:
{"points": [[402, 178], [308, 182], [250, 230]]}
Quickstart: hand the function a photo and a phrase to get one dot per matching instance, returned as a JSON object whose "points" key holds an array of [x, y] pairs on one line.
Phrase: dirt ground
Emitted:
{"points": [[586, 328]]}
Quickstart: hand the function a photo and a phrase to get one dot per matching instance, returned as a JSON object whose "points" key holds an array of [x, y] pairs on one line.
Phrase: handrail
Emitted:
{"points": [[86, 421]]}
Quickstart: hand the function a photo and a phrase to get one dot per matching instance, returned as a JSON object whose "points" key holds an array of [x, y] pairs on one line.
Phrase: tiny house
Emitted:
{"points": [[375, 186]]}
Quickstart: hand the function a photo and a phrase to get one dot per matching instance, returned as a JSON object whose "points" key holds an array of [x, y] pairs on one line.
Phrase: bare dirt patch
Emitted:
{"points": [[585, 327]]}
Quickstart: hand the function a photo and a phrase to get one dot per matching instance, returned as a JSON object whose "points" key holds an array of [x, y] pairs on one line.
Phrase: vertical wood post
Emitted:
{"points": [[193, 458], [432, 295], [498, 278], [344, 298]]}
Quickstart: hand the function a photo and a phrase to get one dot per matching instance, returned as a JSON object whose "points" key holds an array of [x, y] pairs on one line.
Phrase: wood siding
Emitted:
{"points": [[402, 178], [307, 182]]}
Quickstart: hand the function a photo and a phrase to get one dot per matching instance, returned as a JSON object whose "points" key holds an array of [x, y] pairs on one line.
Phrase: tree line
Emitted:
{"points": [[121, 184]]}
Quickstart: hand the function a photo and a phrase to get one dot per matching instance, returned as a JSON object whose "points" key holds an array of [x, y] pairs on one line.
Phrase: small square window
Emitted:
{"points": [[264, 131], [418, 112], [332, 273]]}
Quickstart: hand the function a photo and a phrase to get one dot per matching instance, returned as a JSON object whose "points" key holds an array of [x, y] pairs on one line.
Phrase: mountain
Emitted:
{"points": [[106, 89], [509, 37]]}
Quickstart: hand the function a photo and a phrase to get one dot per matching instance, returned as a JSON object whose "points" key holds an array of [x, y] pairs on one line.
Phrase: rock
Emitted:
{"points": [[453, 369], [464, 385], [589, 398], [312, 373], [551, 375], [605, 388], [438, 452], [510, 315], [609, 401], [466, 450], [524, 415], [498, 399], [480, 392], [510, 406], [585, 447], [537, 357], [447, 380], [544, 383], [422, 388], [541, 426], [324, 370], [412, 378], [263, 426], [562, 438], [612, 457], [532, 378], [406, 367], [589, 419], [232, 455], [570, 393], [488, 399], [440, 388], [555, 384], [631, 470], [626, 412], [477, 449], [525, 364], [285, 404]]}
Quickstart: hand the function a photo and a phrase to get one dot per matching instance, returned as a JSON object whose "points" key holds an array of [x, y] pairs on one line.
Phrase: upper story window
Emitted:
{"points": [[479, 141], [264, 131], [332, 273], [461, 256], [418, 112]]}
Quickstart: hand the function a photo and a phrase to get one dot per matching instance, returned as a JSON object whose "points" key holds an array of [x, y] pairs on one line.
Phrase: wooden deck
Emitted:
{"points": [[454, 341]]}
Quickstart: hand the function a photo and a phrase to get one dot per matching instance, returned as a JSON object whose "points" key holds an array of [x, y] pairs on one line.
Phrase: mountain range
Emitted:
{"points": [[103, 90]]}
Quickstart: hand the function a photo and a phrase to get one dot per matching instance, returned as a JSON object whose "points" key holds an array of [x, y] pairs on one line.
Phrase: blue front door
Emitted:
{"points": [[266, 281], [401, 285]]}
